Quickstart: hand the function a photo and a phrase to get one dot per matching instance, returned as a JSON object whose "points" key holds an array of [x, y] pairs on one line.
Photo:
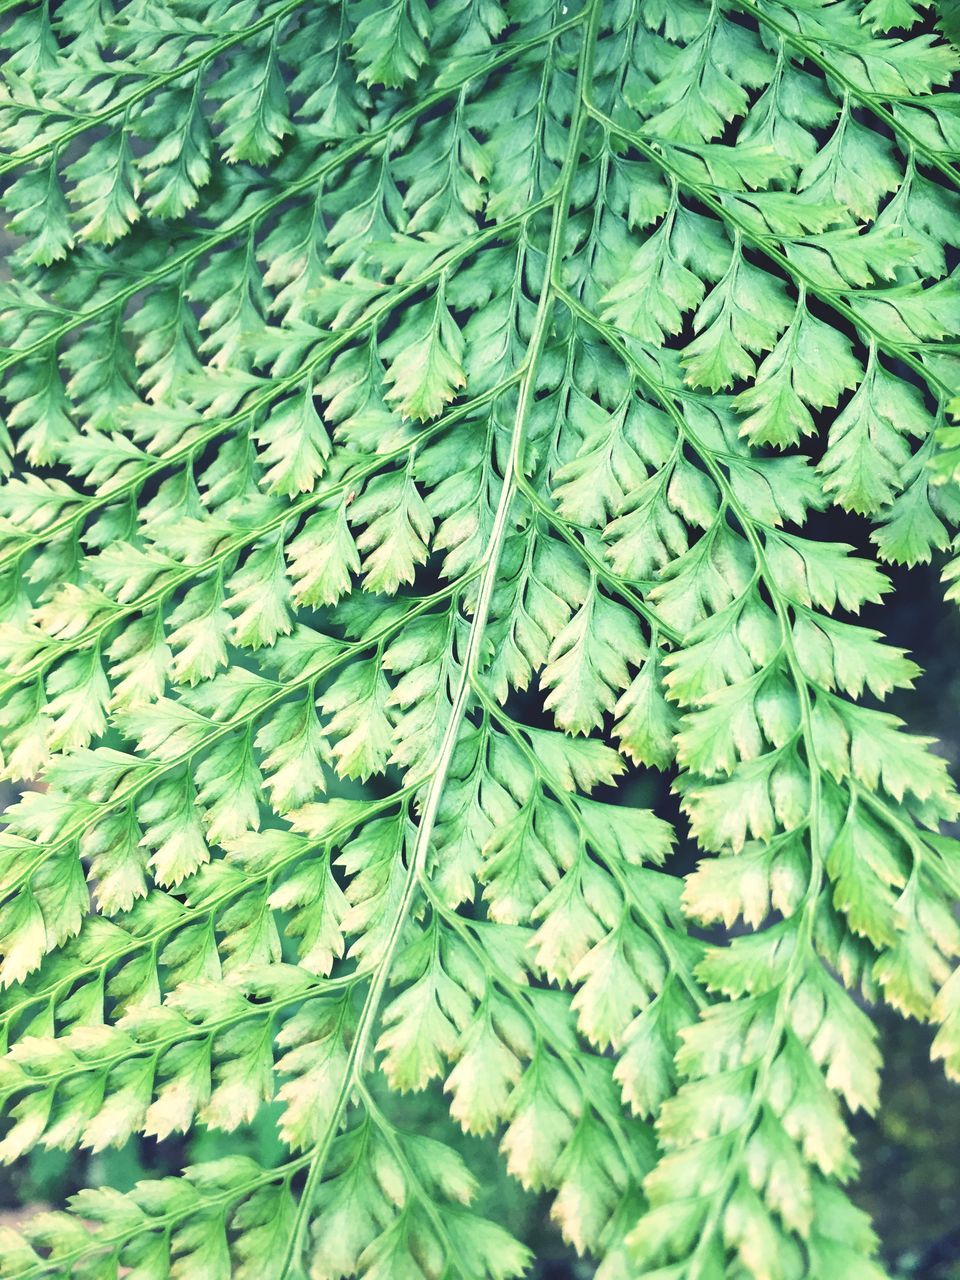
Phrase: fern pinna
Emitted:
{"points": [[414, 411]]}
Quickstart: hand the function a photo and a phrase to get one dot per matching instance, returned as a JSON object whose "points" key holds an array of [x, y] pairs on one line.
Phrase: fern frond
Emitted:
{"points": [[415, 411]]}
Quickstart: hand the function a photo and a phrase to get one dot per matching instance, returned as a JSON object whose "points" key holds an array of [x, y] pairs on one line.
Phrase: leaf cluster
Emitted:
{"points": [[420, 417]]}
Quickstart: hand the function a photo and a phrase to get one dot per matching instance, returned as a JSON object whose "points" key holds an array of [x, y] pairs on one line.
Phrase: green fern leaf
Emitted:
{"points": [[415, 415]]}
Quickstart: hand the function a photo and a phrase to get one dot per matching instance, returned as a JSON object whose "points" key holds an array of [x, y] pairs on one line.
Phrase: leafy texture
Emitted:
{"points": [[415, 415]]}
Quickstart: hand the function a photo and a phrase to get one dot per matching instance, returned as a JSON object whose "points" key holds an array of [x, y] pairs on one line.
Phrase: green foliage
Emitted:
{"points": [[419, 420]]}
